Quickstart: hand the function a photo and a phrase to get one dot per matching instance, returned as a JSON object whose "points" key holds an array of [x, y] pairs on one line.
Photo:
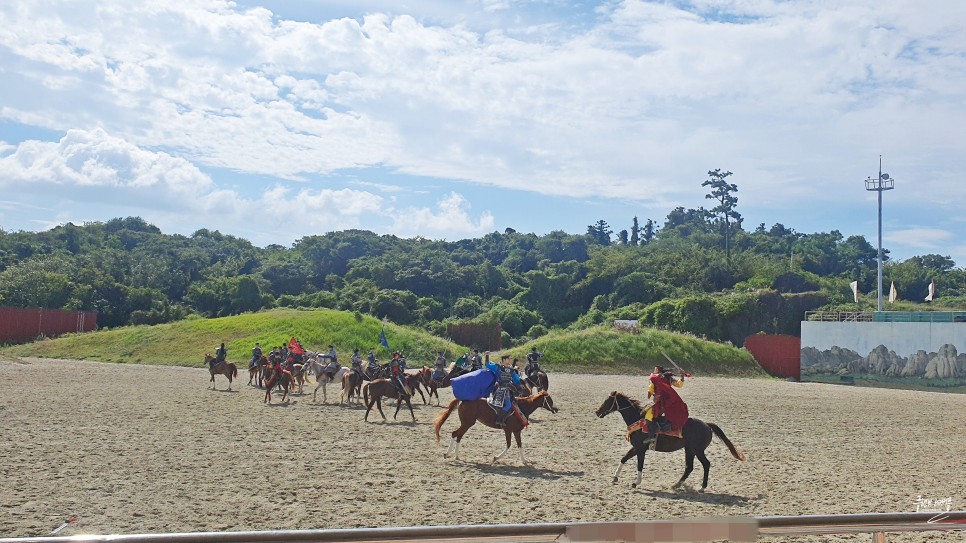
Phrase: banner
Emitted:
{"points": [[932, 291], [382, 337], [893, 294], [855, 290], [295, 347]]}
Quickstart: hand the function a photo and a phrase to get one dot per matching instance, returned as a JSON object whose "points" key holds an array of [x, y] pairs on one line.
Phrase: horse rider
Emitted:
{"points": [[504, 390], [397, 372], [476, 361], [533, 364], [372, 368], [256, 354], [669, 412], [439, 371], [221, 354], [333, 359], [356, 362]]}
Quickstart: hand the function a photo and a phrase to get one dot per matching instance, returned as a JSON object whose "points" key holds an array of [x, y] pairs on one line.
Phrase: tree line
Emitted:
{"points": [[132, 273]]}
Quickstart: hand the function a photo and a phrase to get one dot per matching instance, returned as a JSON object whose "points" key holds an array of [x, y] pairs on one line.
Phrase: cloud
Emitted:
{"points": [[450, 218]]}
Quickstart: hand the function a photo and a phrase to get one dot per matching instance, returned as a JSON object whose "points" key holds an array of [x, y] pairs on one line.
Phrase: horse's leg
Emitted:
{"points": [[688, 467], [516, 434], [641, 448], [630, 454], [316, 391], [368, 409], [379, 406], [410, 409], [707, 469], [452, 444], [506, 432]]}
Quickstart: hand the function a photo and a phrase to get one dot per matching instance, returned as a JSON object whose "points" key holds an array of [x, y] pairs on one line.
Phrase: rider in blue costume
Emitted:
{"points": [[504, 390]]}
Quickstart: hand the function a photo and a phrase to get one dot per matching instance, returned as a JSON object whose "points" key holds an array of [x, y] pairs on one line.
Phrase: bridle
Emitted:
{"points": [[615, 406]]}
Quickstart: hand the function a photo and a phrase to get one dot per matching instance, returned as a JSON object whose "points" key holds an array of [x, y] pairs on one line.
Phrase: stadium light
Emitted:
{"points": [[884, 182]]}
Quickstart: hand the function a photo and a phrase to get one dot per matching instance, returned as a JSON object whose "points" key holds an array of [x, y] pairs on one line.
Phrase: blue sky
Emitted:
{"points": [[450, 119]]}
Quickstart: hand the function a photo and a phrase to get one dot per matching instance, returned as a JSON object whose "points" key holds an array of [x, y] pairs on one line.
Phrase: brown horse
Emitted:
{"points": [[257, 372], [694, 438], [381, 388], [223, 368], [272, 379], [351, 386], [480, 411]]}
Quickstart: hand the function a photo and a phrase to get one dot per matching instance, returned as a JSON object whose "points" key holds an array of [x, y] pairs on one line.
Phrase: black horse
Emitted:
{"points": [[696, 436]]}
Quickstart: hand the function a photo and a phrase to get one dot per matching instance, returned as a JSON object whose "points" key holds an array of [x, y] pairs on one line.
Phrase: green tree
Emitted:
{"points": [[600, 232], [635, 232], [724, 193]]}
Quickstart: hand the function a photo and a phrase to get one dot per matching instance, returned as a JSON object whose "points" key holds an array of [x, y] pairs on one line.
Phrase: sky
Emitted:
{"points": [[448, 119]]}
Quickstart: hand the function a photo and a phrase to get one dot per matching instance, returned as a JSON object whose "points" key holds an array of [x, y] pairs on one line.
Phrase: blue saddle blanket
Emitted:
{"points": [[473, 385]]}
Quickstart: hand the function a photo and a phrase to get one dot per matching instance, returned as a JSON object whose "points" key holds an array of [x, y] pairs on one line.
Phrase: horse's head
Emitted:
{"points": [[609, 405], [548, 403], [208, 358]]}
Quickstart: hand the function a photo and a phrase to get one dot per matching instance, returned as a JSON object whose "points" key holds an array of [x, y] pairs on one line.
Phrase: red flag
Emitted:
{"points": [[295, 347]]}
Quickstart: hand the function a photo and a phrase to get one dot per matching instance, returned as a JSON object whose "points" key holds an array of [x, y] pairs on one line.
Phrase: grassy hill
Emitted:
{"points": [[595, 350]]}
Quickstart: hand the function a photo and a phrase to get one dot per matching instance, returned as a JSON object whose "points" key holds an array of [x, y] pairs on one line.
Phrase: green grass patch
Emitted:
{"points": [[600, 349]]}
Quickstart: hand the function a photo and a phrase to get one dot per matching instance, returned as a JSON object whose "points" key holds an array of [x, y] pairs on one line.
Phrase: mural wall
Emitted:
{"points": [[930, 354]]}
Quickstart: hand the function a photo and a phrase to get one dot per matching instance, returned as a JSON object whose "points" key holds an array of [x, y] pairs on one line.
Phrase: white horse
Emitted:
{"points": [[316, 370]]}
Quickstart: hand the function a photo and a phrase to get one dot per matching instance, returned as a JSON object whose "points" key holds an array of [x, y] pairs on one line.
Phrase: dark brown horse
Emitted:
{"points": [[694, 439], [374, 391], [273, 378], [474, 411], [221, 368]]}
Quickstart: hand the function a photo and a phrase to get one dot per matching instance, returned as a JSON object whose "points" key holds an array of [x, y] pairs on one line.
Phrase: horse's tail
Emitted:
{"points": [[365, 392], [731, 446], [443, 415], [234, 370]]}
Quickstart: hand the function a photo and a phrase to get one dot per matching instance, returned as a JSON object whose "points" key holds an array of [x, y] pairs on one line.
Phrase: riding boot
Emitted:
{"points": [[501, 418], [651, 432]]}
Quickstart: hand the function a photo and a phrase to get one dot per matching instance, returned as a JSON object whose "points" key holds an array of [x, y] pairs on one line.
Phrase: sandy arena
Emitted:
{"points": [[145, 449]]}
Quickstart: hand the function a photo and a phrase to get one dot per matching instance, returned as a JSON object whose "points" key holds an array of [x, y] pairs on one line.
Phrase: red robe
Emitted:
{"points": [[669, 403]]}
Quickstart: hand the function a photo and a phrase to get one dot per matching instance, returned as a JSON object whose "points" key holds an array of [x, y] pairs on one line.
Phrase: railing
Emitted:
{"points": [[886, 316], [736, 529]]}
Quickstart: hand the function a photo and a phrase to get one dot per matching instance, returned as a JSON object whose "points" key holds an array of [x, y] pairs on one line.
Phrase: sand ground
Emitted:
{"points": [[146, 449]]}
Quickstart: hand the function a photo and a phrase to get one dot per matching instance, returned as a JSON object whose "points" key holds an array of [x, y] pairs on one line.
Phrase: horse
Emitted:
{"points": [[316, 370], [257, 372], [538, 381], [384, 388], [694, 439], [222, 368], [273, 379], [473, 411], [351, 386]]}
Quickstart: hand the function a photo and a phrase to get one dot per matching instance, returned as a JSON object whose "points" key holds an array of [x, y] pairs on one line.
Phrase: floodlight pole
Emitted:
{"points": [[879, 185]]}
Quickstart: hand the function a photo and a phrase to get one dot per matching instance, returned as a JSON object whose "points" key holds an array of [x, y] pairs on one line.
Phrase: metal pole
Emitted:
{"points": [[879, 288]]}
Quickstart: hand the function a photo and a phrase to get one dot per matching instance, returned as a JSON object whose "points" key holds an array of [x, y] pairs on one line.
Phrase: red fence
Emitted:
{"points": [[18, 324], [780, 355]]}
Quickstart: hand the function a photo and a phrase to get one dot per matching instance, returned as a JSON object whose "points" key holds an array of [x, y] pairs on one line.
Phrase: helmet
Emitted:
{"points": [[667, 374]]}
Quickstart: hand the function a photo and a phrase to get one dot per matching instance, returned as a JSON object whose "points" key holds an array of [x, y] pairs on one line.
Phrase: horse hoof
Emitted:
{"points": [[633, 485], [701, 490], [615, 480]]}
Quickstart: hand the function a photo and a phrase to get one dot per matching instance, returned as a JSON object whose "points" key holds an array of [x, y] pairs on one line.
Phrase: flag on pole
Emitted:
{"points": [[382, 337], [932, 291], [893, 294], [855, 290]]}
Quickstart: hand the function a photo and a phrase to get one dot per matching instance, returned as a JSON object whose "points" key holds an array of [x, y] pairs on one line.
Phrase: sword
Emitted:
{"points": [[686, 374]]}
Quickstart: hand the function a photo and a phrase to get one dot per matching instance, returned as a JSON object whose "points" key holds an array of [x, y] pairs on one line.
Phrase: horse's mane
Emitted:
{"points": [[635, 403]]}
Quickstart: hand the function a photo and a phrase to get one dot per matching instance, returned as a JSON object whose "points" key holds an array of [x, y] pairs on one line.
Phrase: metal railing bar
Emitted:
{"points": [[539, 532]]}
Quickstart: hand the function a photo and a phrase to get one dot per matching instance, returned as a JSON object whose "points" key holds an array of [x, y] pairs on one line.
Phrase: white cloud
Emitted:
{"points": [[449, 220]]}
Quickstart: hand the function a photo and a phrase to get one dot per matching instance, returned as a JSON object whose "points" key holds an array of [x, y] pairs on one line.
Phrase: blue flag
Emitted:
{"points": [[382, 338]]}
